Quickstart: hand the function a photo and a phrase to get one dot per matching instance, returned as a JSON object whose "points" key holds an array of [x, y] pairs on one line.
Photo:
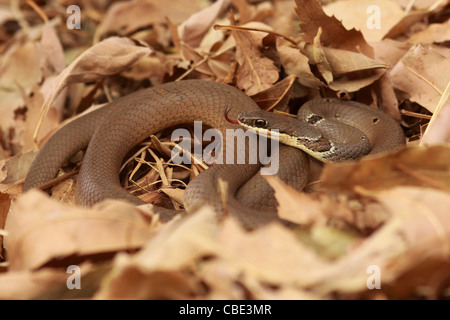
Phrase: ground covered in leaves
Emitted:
{"points": [[374, 229]]}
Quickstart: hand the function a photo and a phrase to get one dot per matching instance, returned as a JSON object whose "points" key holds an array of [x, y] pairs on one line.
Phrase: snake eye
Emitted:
{"points": [[259, 123]]}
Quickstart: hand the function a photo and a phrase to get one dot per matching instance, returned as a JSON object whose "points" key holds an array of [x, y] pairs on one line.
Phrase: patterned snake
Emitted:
{"points": [[110, 132]]}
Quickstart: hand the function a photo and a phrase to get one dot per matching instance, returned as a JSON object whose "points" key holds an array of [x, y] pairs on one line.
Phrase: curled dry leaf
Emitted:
{"points": [[27, 285], [424, 215], [13, 170], [277, 96], [417, 230], [434, 33], [36, 221], [438, 130], [420, 74], [256, 72], [20, 72], [413, 17], [124, 18], [52, 60], [296, 63], [410, 166], [319, 209], [295, 206], [317, 56], [312, 17], [390, 51], [361, 70], [373, 19], [108, 57], [133, 283], [176, 246], [193, 30]]}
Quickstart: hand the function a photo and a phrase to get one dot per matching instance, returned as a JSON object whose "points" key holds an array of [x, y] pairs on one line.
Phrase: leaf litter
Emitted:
{"points": [[389, 212]]}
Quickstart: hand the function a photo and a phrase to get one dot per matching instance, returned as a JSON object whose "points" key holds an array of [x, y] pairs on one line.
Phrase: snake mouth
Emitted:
{"points": [[225, 114]]}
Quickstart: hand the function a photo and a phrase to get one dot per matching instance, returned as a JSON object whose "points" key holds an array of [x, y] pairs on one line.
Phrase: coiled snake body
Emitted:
{"points": [[110, 132]]}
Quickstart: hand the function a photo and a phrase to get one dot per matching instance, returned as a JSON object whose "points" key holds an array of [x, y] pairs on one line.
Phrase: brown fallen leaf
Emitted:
{"points": [[256, 72], [373, 19], [20, 73], [136, 284], [420, 74], [413, 17], [154, 67], [390, 51], [193, 30], [296, 63], [23, 285], [343, 61], [344, 70], [434, 33], [276, 96], [417, 232], [438, 130], [296, 206], [316, 55], [321, 209], [36, 221], [416, 166], [5, 203], [13, 170], [312, 17], [105, 58], [52, 60], [125, 18]]}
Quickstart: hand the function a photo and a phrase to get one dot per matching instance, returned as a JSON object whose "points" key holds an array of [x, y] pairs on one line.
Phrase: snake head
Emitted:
{"points": [[253, 121]]}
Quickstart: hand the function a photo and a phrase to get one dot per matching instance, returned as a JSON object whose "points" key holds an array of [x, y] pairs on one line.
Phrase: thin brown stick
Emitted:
{"points": [[421, 177], [415, 114], [238, 28], [57, 180], [38, 10]]}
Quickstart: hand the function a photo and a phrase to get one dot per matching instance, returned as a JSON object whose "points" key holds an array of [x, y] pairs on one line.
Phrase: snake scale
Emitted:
{"points": [[110, 132]]}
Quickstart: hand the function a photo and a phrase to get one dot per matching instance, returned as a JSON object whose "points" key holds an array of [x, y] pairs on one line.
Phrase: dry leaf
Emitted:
{"points": [[344, 70], [420, 74], [412, 17], [312, 17], [438, 131], [373, 19], [390, 51], [295, 63], [295, 206], [193, 30], [13, 170], [27, 285], [256, 72], [434, 33], [124, 18], [277, 96], [36, 221], [108, 57], [429, 167]]}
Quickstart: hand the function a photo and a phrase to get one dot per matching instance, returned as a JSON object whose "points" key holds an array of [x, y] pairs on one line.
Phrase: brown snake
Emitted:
{"points": [[110, 132]]}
